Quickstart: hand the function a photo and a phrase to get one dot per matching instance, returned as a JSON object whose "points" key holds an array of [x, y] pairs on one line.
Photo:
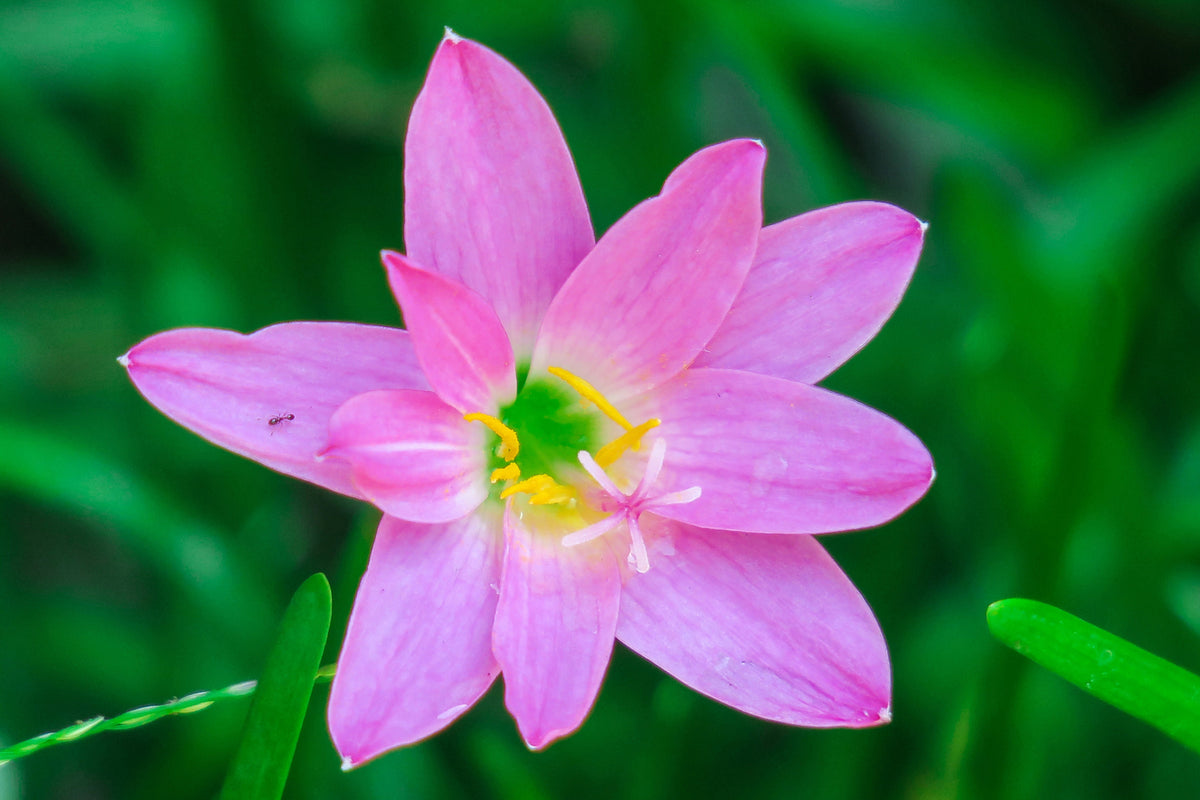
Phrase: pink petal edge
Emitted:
{"points": [[821, 286], [776, 456], [411, 455], [655, 289], [492, 198], [417, 652], [459, 340], [228, 386], [766, 624], [554, 628]]}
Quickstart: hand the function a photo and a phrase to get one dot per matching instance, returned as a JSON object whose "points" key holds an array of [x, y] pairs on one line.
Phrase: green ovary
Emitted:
{"points": [[552, 426]]}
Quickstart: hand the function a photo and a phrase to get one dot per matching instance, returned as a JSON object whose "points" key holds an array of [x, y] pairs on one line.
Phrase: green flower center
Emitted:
{"points": [[543, 430], [553, 427]]}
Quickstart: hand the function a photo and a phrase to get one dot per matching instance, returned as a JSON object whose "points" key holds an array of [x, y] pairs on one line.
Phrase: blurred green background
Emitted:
{"points": [[170, 163]]}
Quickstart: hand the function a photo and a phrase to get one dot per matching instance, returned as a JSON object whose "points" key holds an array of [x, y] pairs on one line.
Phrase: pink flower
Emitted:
{"points": [[577, 441]]}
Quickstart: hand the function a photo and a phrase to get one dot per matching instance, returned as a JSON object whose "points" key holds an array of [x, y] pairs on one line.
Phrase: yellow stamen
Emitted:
{"points": [[629, 440], [509, 472], [532, 485], [589, 392], [543, 490], [509, 446], [553, 495]]}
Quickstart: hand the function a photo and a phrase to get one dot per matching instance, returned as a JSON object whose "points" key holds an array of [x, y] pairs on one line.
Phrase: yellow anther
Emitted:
{"points": [[543, 490], [629, 440], [553, 495], [509, 472], [509, 446], [589, 392], [531, 485]]}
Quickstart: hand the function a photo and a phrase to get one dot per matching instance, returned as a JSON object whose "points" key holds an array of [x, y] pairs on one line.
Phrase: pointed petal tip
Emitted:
{"points": [[124, 360], [348, 764], [747, 148], [924, 226], [451, 37], [400, 265], [885, 715], [391, 258], [539, 740]]}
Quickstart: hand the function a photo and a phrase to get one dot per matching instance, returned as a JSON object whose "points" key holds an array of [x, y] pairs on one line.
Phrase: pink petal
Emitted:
{"points": [[492, 199], [767, 624], [654, 291], [775, 456], [418, 649], [821, 287], [228, 386], [411, 454], [460, 342], [554, 628]]}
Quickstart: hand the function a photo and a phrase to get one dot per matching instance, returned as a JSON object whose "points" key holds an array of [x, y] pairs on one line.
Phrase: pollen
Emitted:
{"points": [[531, 485], [509, 446], [631, 439], [509, 472], [543, 489], [589, 392], [553, 495]]}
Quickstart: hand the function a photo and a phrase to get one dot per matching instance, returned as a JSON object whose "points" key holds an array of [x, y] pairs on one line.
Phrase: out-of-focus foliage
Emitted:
{"points": [[168, 163]]}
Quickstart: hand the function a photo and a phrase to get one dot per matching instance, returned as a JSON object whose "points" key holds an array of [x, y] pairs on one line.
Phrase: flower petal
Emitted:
{"points": [[767, 624], [821, 287], [492, 198], [654, 291], [775, 456], [418, 651], [554, 627], [411, 454], [228, 386], [460, 342]]}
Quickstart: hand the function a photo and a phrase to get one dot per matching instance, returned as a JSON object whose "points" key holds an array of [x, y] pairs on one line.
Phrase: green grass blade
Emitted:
{"points": [[1104, 665], [264, 757], [138, 717]]}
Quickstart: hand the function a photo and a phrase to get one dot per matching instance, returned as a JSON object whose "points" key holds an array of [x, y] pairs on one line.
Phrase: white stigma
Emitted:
{"points": [[630, 506]]}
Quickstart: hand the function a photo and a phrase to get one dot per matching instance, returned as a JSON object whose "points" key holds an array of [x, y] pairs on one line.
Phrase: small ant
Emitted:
{"points": [[281, 418]]}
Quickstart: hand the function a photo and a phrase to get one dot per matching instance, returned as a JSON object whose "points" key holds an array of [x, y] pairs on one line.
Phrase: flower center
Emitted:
{"points": [[545, 428]]}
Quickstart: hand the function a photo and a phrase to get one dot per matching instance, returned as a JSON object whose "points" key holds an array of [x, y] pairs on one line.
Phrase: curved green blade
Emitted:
{"points": [[264, 756], [136, 718], [1105, 665]]}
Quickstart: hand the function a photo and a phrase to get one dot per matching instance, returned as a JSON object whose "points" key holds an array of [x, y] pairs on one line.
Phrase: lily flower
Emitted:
{"points": [[577, 442]]}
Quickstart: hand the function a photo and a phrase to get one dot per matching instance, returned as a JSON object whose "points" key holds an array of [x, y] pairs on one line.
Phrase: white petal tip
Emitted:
{"points": [[348, 764], [451, 37], [885, 714], [924, 226], [124, 361]]}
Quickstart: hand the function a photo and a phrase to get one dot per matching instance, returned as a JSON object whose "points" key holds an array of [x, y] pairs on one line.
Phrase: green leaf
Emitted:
{"points": [[264, 757], [1105, 665]]}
